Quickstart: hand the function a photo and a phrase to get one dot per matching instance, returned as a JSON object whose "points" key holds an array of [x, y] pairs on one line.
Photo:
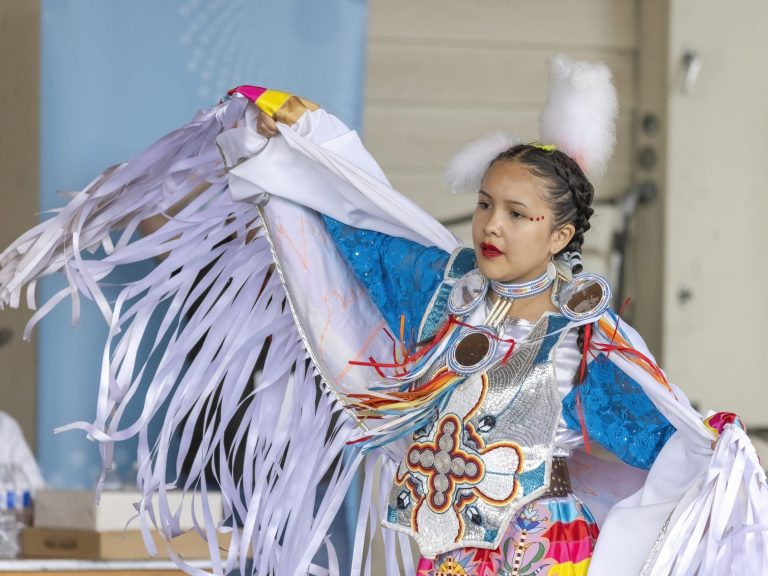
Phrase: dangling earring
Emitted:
{"points": [[552, 270]]}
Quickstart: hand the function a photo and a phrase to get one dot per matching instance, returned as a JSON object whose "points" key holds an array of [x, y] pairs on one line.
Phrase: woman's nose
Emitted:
{"points": [[493, 224]]}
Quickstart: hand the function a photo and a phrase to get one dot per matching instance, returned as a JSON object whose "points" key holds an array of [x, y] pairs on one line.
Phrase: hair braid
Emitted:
{"points": [[583, 194], [569, 193]]}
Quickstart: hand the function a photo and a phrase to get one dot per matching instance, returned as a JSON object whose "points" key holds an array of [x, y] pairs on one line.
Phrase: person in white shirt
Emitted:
{"points": [[14, 450]]}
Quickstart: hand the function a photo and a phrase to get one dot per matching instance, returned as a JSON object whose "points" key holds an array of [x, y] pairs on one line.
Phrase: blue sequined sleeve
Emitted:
{"points": [[618, 414], [400, 275]]}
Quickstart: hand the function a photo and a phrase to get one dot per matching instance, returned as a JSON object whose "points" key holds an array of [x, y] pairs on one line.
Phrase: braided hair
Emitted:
{"points": [[568, 193]]}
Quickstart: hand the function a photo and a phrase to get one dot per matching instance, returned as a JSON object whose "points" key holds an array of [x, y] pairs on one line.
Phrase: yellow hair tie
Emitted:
{"points": [[545, 147]]}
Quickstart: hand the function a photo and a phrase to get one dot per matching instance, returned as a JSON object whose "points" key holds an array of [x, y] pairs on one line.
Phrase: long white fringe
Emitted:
{"points": [[221, 308], [721, 525]]}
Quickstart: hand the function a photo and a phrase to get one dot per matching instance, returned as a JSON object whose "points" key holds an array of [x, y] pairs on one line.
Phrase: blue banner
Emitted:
{"points": [[118, 74]]}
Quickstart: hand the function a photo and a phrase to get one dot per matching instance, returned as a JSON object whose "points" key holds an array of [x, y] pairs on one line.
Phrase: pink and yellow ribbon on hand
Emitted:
{"points": [[718, 421], [282, 106]]}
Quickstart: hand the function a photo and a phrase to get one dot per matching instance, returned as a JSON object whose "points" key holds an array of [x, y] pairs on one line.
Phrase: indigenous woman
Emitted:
{"points": [[480, 378], [490, 467]]}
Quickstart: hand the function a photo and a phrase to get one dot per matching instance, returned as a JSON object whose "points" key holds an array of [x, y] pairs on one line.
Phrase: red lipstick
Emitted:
{"points": [[489, 250]]}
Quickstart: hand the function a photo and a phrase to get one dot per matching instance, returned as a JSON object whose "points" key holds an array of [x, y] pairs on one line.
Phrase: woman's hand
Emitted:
{"points": [[718, 421], [266, 125]]}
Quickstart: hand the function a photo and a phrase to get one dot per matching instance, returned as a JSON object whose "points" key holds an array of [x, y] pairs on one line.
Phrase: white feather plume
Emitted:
{"points": [[466, 170], [580, 114]]}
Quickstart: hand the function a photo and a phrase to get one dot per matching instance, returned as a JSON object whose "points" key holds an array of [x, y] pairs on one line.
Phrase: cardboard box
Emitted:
{"points": [[116, 511], [122, 545]]}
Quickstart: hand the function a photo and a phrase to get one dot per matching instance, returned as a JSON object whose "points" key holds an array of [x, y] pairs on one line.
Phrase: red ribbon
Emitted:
{"points": [[584, 351], [411, 359]]}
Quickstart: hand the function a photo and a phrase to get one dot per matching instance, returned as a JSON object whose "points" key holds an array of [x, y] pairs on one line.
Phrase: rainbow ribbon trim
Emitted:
{"points": [[401, 405]]}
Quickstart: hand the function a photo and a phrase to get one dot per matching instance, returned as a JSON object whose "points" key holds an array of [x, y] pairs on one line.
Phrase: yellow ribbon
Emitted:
{"points": [[545, 147]]}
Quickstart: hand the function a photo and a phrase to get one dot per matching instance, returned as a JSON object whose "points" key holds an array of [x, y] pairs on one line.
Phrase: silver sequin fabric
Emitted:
{"points": [[483, 457]]}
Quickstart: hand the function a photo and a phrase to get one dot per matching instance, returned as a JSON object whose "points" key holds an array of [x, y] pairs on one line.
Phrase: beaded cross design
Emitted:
{"points": [[444, 463]]}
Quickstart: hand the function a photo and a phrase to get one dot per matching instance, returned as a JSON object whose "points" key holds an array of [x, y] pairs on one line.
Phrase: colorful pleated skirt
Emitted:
{"points": [[548, 537]]}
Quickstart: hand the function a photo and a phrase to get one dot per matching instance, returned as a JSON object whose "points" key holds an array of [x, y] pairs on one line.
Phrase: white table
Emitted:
{"points": [[30, 567]]}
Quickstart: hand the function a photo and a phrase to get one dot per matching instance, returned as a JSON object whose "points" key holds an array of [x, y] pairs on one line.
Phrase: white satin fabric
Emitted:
{"points": [[321, 164]]}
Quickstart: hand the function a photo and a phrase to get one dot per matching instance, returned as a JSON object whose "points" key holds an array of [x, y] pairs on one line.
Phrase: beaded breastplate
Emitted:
{"points": [[485, 455]]}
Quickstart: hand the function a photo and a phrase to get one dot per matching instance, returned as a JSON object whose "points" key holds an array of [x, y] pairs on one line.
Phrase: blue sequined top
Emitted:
{"points": [[618, 414], [399, 274]]}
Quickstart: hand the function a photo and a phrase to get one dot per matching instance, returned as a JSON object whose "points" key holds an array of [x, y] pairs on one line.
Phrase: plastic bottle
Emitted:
{"points": [[9, 521], [23, 497]]}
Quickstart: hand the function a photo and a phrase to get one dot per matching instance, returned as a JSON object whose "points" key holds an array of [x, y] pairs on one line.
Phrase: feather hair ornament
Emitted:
{"points": [[579, 118], [580, 114], [466, 170]]}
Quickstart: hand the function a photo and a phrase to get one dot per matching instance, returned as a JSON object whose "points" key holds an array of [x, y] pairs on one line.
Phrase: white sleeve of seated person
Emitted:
{"points": [[15, 450]]}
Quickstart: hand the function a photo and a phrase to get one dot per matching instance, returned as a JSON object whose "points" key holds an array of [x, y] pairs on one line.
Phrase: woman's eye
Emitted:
{"points": [[516, 214], [482, 204]]}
